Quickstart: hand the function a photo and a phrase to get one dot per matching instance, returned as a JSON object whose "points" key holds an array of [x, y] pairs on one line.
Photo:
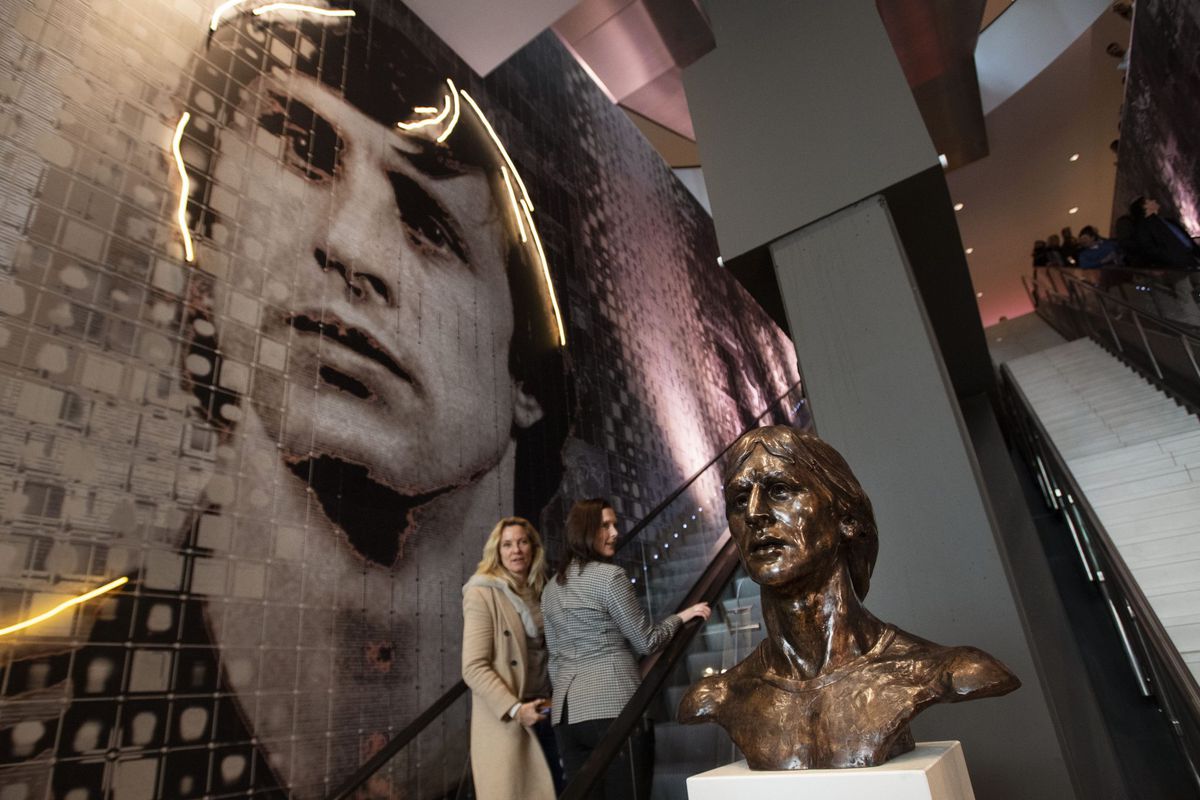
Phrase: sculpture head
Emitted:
{"points": [[795, 509], [830, 685]]}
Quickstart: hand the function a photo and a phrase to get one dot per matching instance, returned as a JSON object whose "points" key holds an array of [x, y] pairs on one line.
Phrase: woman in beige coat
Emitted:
{"points": [[513, 753]]}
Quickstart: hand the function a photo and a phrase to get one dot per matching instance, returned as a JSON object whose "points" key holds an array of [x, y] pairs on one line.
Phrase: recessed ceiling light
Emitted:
{"points": [[1073, 210], [958, 206], [979, 294], [1074, 157], [970, 250]]}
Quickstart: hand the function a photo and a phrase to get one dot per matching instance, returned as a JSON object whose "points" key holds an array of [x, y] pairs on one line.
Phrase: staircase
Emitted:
{"points": [[734, 631], [1135, 454]]}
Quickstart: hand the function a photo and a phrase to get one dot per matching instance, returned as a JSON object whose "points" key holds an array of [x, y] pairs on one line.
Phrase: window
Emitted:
{"points": [[73, 410], [43, 499], [200, 440]]}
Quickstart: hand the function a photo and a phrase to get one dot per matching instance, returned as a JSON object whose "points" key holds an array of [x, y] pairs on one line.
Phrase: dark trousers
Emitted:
{"points": [[629, 774], [545, 736]]}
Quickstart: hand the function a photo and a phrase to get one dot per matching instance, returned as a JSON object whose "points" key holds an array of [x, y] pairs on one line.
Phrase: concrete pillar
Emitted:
{"points": [[880, 395]]}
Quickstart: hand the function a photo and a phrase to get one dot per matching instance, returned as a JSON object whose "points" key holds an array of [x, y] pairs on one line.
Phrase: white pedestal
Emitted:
{"points": [[933, 771]]}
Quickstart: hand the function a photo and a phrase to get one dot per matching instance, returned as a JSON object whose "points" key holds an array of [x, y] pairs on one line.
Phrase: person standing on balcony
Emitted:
{"points": [[594, 625], [1163, 241], [1095, 251]]}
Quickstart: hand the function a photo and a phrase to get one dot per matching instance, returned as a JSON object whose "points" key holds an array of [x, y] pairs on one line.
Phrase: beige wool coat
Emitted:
{"points": [[506, 760]]}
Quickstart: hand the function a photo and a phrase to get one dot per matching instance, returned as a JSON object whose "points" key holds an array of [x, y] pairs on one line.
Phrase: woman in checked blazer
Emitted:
{"points": [[594, 625]]}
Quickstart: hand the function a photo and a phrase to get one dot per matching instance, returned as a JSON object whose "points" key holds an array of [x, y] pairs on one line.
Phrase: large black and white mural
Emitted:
{"points": [[1159, 154], [293, 307]]}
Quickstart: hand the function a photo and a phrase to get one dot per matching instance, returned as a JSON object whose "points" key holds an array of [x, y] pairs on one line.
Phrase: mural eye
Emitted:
{"points": [[312, 147], [427, 223], [428, 230]]}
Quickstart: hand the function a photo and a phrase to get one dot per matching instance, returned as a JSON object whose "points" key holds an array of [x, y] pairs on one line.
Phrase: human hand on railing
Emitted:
{"points": [[529, 713], [700, 610]]}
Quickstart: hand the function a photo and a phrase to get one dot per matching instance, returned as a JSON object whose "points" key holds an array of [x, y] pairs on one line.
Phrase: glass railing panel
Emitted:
{"points": [[672, 549], [1171, 294], [1150, 318]]}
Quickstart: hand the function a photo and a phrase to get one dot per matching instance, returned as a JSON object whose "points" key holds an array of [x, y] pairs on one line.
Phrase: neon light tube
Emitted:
{"points": [[453, 120], [412, 126], [63, 606], [496, 139], [189, 252], [221, 9], [537, 240], [306, 9], [512, 198]]}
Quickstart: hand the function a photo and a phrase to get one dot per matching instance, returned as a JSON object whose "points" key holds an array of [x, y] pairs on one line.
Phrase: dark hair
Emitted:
{"points": [[1137, 209], [1089, 230], [827, 465], [583, 521], [384, 76]]}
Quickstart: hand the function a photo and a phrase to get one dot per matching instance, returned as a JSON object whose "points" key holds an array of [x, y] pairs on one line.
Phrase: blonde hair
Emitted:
{"points": [[491, 566]]}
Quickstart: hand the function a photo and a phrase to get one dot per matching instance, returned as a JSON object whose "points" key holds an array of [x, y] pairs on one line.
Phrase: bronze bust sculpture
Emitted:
{"points": [[830, 685]]}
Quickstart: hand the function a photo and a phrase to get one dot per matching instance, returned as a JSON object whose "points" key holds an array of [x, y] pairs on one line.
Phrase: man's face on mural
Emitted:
{"points": [[384, 273]]}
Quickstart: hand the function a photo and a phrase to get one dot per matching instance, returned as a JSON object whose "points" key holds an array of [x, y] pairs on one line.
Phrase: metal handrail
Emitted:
{"points": [[1177, 384], [1159, 668], [1158, 320], [414, 728]]}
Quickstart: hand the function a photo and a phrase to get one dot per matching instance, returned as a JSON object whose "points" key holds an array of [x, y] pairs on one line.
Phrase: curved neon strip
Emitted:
{"points": [[453, 120], [412, 126], [306, 9], [496, 140], [512, 198], [188, 252], [537, 240], [63, 606], [221, 9]]}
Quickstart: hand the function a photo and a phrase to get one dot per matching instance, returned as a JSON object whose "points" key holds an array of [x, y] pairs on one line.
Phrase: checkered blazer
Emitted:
{"points": [[594, 624]]}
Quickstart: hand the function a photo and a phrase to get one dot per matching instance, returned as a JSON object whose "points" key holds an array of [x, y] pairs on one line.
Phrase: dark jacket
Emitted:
{"points": [[1164, 243], [1102, 253]]}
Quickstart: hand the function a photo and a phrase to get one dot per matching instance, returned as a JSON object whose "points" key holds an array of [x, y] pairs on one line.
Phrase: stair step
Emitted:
{"points": [[1135, 454]]}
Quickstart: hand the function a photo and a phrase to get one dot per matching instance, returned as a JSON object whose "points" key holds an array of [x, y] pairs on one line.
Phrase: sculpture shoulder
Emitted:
{"points": [[704, 699], [962, 673], [971, 674]]}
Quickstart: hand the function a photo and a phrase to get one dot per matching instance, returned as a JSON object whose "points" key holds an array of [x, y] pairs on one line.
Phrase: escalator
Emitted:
{"points": [[677, 555]]}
